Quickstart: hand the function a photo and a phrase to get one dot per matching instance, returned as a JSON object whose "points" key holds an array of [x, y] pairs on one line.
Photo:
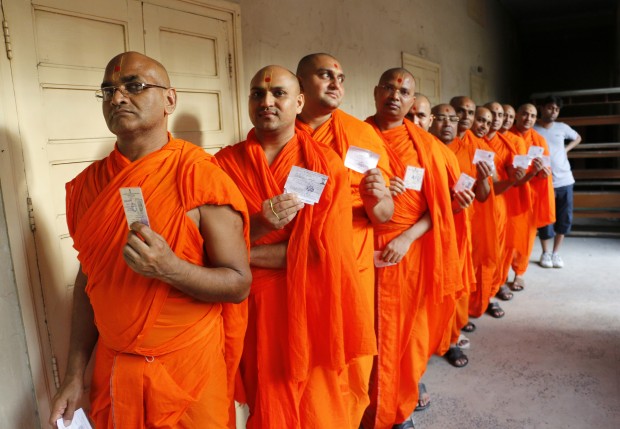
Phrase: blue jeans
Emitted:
{"points": [[563, 214]]}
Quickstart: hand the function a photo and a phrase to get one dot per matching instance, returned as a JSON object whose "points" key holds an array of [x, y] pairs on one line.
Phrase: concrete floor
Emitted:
{"points": [[552, 362]]}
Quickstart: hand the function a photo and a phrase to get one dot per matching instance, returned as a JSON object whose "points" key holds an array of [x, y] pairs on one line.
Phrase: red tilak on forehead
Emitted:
{"points": [[117, 68], [335, 65]]}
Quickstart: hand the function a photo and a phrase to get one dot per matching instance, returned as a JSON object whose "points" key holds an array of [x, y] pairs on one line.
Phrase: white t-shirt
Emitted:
{"points": [[555, 137]]}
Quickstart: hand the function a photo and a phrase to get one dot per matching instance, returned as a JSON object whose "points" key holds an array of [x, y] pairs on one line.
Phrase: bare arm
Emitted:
{"points": [[376, 196], [275, 213], [269, 255], [536, 167], [83, 338], [571, 145], [462, 200], [514, 175], [228, 277], [396, 249]]}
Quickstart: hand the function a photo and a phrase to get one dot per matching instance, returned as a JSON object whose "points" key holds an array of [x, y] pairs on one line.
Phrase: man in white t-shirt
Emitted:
{"points": [[556, 134]]}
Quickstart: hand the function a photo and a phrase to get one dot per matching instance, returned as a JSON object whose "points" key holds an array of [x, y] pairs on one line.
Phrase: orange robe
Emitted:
{"points": [[504, 156], [309, 320], [542, 197], [439, 344], [519, 216], [430, 268], [340, 132], [160, 356], [484, 231]]}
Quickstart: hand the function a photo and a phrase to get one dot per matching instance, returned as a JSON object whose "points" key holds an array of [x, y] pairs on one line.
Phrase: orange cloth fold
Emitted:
{"points": [[340, 132], [484, 232], [307, 321], [430, 268], [542, 202], [153, 326]]}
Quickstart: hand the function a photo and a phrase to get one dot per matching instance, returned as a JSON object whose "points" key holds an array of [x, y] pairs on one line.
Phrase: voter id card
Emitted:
{"points": [[535, 151], [521, 161], [133, 203], [307, 184], [485, 156], [79, 421], [413, 178], [465, 182], [360, 160]]}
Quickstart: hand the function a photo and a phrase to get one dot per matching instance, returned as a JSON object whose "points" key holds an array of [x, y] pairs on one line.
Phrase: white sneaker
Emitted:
{"points": [[557, 261], [545, 260]]}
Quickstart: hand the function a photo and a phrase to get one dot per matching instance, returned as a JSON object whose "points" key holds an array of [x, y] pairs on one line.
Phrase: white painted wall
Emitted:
{"points": [[368, 36], [17, 403]]}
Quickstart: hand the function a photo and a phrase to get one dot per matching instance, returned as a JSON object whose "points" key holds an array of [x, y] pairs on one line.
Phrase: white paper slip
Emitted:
{"points": [[465, 182], [413, 178], [535, 151], [485, 156], [546, 161], [360, 160], [133, 203], [380, 263], [522, 161], [307, 184], [79, 421]]}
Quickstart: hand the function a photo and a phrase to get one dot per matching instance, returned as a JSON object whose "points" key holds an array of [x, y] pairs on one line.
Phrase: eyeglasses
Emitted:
{"points": [[444, 118], [130, 88], [403, 92]]}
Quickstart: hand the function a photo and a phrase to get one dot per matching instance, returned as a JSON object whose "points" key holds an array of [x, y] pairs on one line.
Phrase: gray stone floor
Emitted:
{"points": [[552, 362]]}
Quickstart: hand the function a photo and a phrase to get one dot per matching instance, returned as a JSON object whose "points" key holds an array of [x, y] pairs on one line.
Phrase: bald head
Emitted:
{"points": [[525, 117], [509, 117], [275, 101], [136, 61], [497, 111], [394, 95], [444, 123], [420, 112], [321, 78], [482, 122], [465, 109]]}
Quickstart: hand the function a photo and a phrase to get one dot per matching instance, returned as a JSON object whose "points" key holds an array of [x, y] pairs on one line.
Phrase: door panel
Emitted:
{"points": [[61, 49], [194, 49]]}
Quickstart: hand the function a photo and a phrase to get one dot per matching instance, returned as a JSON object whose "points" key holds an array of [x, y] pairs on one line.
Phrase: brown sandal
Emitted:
{"points": [[504, 293], [517, 285]]}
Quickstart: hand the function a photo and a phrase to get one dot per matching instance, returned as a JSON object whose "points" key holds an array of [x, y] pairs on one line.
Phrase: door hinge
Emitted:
{"points": [[55, 371], [230, 65], [33, 227], [7, 39]]}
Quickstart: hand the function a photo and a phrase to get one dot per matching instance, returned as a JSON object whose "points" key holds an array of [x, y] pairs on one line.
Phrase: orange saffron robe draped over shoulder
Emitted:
{"points": [[160, 356], [484, 233], [307, 321], [542, 197], [430, 268], [340, 132], [440, 342], [519, 217]]}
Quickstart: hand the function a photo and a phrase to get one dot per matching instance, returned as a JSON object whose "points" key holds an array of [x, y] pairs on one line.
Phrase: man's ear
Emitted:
{"points": [[171, 101], [300, 103]]}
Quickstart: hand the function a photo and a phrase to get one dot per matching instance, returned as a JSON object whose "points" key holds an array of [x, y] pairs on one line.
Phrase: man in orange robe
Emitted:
{"points": [[483, 214], [160, 355], [542, 195], [419, 242], [444, 128], [322, 78], [308, 317], [509, 198]]}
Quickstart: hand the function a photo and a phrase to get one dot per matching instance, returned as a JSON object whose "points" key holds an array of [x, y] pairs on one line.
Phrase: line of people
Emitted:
{"points": [[350, 293]]}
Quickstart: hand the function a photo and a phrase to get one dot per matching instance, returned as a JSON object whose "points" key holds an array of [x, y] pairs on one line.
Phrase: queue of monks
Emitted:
{"points": [[372, 244]]}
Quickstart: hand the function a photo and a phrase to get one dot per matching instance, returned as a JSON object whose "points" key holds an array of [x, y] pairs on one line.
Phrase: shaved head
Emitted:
{"points": [[525, 117], [482, 122], [420, 113], [497, 111], [398, 73], [465, 109], [394, 97], [444, 124], [118, 65], [509, 117], [266, 74], [307, 64]]}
